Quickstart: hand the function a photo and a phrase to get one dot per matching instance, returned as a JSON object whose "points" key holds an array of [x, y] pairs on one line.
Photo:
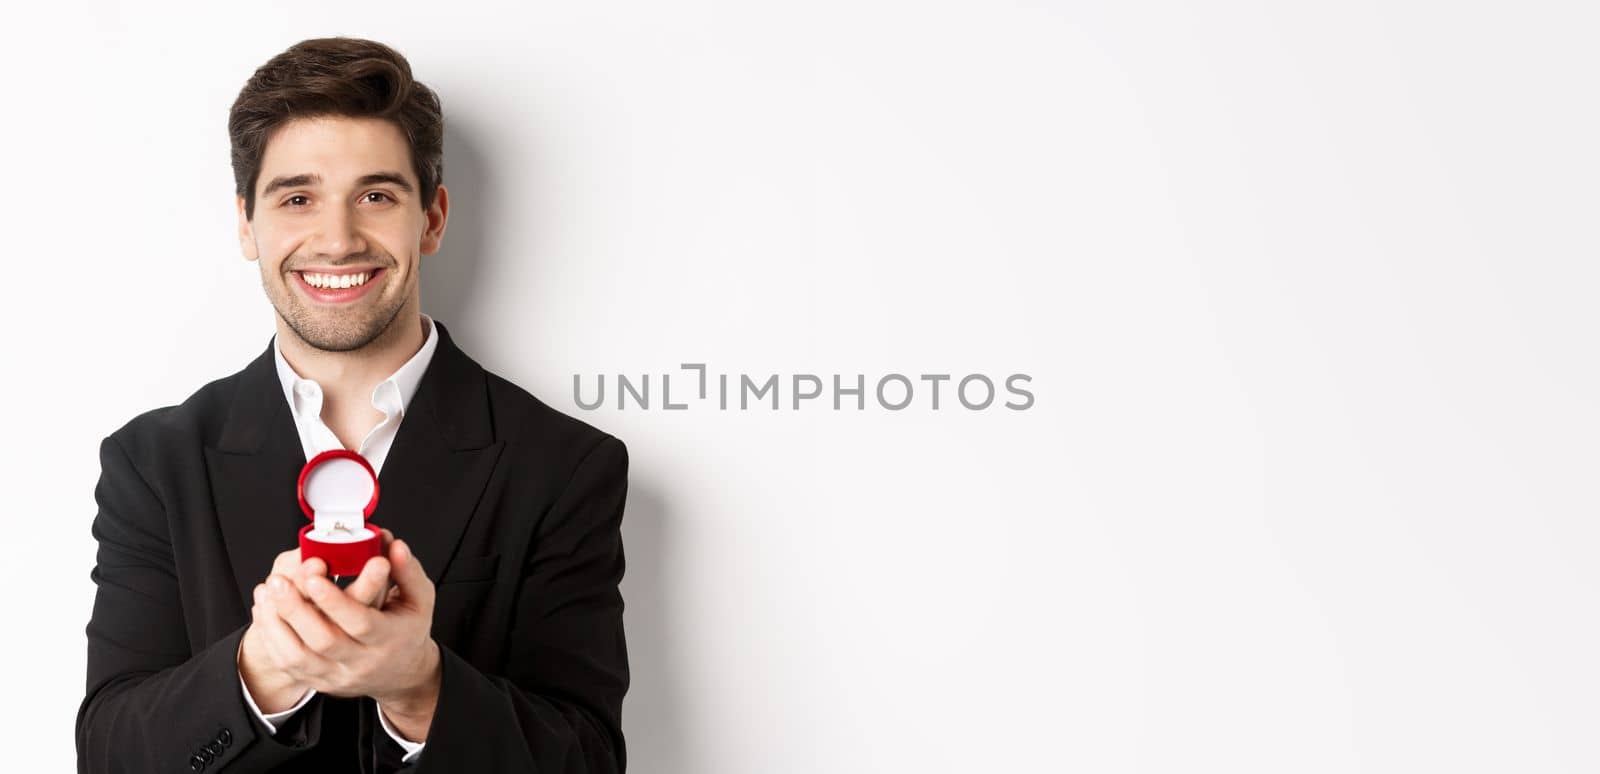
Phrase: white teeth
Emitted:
{"points": [[335, 281]]}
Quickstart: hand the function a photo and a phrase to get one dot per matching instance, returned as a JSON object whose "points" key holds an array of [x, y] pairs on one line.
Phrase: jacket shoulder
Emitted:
{"points": [[197, 420], [519, 416]]}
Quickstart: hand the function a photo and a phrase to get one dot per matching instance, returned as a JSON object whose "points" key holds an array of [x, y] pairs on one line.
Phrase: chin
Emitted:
{"points": [[333, 334]]}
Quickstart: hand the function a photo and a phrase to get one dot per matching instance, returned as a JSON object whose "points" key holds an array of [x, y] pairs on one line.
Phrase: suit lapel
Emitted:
{"points": [[253, 469], [429, 486], [441, 459]]}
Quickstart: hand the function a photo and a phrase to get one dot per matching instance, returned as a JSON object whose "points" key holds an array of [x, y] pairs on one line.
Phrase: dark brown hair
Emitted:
{"points": [[335, 77]]}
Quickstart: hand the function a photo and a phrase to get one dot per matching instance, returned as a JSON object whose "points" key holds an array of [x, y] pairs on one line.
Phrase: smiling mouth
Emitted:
{"points": [[326, 280], [337, 286]]}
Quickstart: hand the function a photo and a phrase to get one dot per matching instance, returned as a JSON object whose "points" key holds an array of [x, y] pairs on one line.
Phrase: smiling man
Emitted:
{"points": [[488, 636]]}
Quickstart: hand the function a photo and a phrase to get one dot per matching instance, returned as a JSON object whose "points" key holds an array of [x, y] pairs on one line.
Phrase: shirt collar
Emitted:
{"points": [[397, 389]]}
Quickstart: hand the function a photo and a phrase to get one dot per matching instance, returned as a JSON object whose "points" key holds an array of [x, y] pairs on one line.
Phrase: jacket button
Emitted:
{"points": [[197, 763], [206, 755], [215, 748], [225, 737]]}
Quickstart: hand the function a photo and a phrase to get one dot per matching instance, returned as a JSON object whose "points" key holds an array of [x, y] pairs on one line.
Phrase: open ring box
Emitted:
{"points": [[338, 490]]}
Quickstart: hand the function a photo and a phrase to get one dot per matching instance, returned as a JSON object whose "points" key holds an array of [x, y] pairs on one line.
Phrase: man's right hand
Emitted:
{"points": [[272, 687]]}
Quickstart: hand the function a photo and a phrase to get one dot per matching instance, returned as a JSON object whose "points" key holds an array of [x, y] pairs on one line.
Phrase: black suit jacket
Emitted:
{"points": [[513, 508]]}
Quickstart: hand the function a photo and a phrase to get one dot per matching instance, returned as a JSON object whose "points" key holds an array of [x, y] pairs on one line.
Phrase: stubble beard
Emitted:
{"points": [[329, 331]]}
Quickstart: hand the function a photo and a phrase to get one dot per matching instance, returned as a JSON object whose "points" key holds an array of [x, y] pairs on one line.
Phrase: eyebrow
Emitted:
{"points": [[295, 181]]}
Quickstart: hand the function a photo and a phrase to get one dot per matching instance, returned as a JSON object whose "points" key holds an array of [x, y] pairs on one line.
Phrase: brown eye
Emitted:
{"points": [[291, 201], [380, 193]]}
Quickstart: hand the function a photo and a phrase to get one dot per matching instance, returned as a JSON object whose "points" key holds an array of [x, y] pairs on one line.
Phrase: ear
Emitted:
{"points": [[247, 237], [436, 215]]}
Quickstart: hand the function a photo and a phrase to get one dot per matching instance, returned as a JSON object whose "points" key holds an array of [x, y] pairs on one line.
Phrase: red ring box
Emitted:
{"points": [[339, 486]]}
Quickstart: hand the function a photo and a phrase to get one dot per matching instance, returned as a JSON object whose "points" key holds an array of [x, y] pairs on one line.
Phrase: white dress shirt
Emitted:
{"points": [[391, 397]]}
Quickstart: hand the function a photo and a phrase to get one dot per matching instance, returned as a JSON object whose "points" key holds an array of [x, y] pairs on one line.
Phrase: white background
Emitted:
{"points": [[1306, 291]]}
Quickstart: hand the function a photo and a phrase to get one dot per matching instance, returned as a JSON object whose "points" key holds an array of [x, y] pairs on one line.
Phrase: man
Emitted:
{"points": [[488, 637]]}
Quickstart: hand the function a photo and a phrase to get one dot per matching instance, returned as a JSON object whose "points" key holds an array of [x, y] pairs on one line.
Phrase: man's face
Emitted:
{"points": [[338, 228]]}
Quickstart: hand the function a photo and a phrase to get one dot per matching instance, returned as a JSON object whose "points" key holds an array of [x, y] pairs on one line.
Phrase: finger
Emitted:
{"points": [[408, 574], [283, 646], [315, 567], [315, 630], [355, 619], [284, 563], [369, 586]]}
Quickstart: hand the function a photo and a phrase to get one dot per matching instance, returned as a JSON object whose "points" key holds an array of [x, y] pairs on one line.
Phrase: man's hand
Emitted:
{"points": [[272, 688], [334, 641]]}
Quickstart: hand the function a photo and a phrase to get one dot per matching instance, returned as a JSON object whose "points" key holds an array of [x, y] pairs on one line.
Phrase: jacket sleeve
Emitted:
{"points": [[151, 702], [557, 709]]}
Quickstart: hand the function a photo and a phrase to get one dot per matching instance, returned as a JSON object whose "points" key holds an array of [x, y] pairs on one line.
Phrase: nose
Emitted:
{"points": [[337, 234]]}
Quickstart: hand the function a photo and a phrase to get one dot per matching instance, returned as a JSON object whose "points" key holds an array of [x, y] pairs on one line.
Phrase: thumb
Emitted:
{"points": [[407, 572], [369, 586]]}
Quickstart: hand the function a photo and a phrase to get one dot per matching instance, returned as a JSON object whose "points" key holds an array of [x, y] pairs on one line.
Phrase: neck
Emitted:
{"points": [[358, 371]]}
